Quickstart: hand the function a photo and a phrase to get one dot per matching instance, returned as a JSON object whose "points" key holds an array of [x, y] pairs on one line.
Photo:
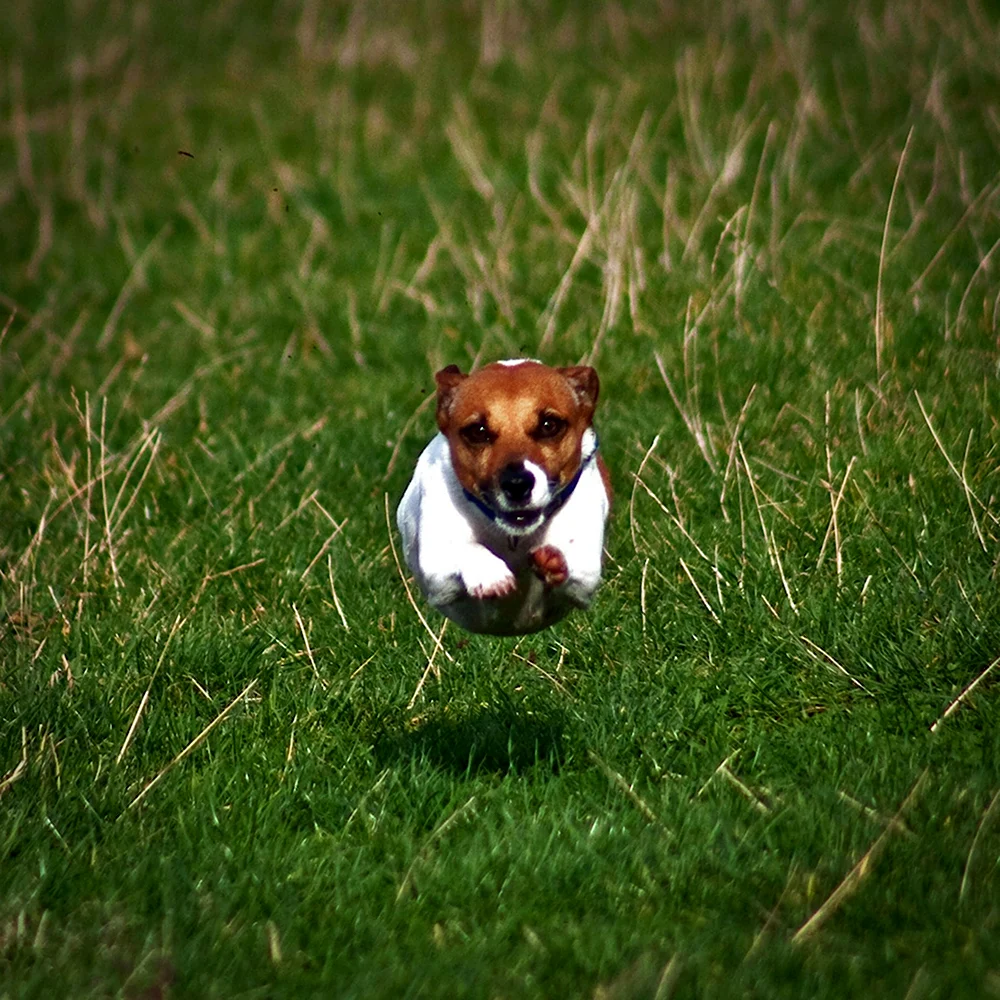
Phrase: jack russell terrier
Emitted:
{"points": [[503, 521]]}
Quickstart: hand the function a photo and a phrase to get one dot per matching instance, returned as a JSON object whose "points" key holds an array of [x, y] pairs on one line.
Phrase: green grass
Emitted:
{"points": [[213, 369]]}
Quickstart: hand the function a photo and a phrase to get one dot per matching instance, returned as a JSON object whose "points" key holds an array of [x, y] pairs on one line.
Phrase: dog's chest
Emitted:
{"points": [[514, 550]]}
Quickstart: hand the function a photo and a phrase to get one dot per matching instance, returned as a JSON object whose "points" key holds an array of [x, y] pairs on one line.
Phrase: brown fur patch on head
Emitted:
{"points": [[585, 383], [448, 380], [504, 414]]}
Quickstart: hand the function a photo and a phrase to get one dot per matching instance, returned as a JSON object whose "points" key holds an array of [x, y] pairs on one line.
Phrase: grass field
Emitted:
{"points": [[236, 241]]}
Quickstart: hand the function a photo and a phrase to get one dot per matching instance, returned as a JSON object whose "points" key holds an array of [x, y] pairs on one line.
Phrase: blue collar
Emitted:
{"points": [[546, 512]]}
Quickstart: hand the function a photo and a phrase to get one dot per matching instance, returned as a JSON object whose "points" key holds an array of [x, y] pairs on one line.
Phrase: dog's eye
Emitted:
{"points": [[476, 433], [549, 426]]}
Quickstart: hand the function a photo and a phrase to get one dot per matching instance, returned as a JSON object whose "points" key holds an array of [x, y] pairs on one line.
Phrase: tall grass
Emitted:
{"points": [[236, 242]]}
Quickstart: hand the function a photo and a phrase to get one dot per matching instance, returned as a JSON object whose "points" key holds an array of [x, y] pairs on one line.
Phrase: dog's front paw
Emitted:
{"points": [[485, 576], [498, 588], [550, 565]]}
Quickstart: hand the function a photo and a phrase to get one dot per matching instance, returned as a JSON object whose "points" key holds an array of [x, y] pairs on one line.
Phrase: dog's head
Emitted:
{"points": [[518, 432]]}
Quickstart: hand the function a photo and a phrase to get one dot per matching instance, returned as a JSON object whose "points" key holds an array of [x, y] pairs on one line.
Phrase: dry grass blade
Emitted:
{"points": [[550, 315], [730, 463], [986, 193], [333, 593], [629, 791], [983, 823], [615, 268], [194, 744], [668, 978], [968, 499], [748, 793], [762, 935], [745, 790], [533, 150], [6, 327], [178, 622], [879, 307], [151, 440], [704, 599], [406, 584], [618, 195], [675, 520], [642, 593], [37, 538], [858, 873], [284, 443], [757, 504], [309, 652], [288, 518], [635, 483], [552, 680], [19, 768], [822, 656], [985, 266], [379, 782], [959, 475], [104, 495], [136, 277], [221, 575], [694, 424], [725, 764], [769, 541], [966, 691], [430, 666], [833, 527], [273, 942], [876, 817], [325, 546], [469, 150], [440, 830]]}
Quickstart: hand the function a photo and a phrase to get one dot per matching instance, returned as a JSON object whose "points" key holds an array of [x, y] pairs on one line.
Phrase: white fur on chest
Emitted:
{"points": [[455, 550]]}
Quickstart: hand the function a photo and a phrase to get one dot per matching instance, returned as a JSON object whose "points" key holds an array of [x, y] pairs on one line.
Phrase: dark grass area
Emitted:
{"points": [[236, 241]]}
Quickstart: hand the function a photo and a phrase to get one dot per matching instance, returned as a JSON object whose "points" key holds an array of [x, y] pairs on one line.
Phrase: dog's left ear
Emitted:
{"points": [[585, 384], [448, 380]]}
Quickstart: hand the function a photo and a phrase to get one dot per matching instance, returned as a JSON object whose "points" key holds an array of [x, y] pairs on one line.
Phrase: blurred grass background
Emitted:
{"points": [[237, 240]]}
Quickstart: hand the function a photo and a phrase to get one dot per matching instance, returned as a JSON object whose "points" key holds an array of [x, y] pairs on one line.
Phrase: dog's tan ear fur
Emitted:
{"points": [[448, 380], [585, 383]]}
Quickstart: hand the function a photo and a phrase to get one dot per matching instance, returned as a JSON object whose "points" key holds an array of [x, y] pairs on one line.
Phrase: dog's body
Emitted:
{"points": [[503, 521]]}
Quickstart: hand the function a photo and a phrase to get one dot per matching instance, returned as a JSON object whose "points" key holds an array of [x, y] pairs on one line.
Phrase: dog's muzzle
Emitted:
{"points": [[516, 483]]}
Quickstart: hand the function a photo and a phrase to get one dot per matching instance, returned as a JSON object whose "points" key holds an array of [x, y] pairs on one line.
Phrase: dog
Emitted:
{"points": [[503, 521]]}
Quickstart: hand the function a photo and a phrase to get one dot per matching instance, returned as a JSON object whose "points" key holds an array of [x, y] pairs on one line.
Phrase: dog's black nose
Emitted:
{"points": [[517, 483]]}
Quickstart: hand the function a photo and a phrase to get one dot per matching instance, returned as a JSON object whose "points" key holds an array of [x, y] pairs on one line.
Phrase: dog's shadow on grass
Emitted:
{"points": [[498, 737]]}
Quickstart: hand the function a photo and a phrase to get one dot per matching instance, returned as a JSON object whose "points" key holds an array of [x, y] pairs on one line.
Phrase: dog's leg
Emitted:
{"points": [[576, 535], [550, 565], [439, 541], [450, 566], [484, 574]]}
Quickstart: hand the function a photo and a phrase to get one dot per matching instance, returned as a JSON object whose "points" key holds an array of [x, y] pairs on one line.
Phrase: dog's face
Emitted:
{"points": [[516, 433]]}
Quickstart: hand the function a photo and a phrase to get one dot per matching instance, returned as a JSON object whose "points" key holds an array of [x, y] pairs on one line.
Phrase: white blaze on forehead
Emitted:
{"points": [[511, 362]]}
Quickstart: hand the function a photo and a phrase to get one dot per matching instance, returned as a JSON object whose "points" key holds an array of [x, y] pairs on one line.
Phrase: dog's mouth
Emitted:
{"points": [[520, 519], [517, 520], [513, 501]]}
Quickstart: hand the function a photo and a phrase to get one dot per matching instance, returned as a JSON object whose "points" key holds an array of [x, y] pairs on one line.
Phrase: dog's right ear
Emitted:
{"points": [[448, 380]]}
